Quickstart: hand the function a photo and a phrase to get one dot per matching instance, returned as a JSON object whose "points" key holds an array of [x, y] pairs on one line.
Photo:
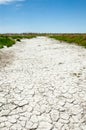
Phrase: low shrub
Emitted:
{"points": [[6, 41], [71, 38]]}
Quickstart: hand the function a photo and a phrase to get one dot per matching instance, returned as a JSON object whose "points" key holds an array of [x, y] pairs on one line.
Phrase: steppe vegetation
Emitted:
{"points": [[10, 39], [79, 39], [6, 41]]}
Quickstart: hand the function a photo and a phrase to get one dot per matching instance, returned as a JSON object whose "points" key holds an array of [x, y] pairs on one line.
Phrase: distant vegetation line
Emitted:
{"points": [[79, 39], [10, 39]]}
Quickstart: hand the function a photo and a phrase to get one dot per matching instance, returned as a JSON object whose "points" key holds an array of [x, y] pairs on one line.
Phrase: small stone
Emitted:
{"points": [[68, 105], [70, 100], [44, 126], [63, 121], [23, 123], [2, 100], [58, 125], [20, 87], [64, 89], [64, 116], [8, 124], [66, 127], [29, 109], [22, 118], [76, 109], [2, 124], [4, 128], [68, 95], [61, 102], [54, 115], [18, 127], [4, 112], [45, 117], [12, 119], [31, 92], [72, 90], [43, 108], [0, 104], [61, 109], [23, 102], [29, 125], [54, 129], [30, 86], [75, 119], [36, 110], [83, 126], [34, 119], [34, 126], [3, 119], [41, 90]]}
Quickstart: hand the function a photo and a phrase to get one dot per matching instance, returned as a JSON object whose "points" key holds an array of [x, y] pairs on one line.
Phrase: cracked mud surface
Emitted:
{"points": [[43, 86]]}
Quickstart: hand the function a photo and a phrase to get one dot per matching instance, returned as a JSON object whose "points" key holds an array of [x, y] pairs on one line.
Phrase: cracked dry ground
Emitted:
{"points": [[43, 86]]}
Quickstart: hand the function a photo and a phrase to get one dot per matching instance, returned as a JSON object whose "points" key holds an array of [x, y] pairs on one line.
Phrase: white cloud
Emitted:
{"points": [[8, 1]]}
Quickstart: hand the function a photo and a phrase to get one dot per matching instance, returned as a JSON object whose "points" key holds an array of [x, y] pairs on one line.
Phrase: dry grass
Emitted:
{"points": [[79, 39]]}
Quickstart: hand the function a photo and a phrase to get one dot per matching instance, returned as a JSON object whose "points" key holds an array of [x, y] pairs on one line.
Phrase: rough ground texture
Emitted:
{"points": [[43, 86]]}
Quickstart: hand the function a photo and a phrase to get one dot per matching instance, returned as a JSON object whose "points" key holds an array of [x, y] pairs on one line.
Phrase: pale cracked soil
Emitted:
{"points": [[42, 86]]}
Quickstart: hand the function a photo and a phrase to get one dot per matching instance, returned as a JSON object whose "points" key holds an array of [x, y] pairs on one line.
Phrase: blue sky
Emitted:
{"points": [[57, 16]]}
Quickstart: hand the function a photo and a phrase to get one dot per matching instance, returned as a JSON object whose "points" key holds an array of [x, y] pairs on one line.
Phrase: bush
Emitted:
{"points": [[6, 41], [79, 39], [9, 40]]}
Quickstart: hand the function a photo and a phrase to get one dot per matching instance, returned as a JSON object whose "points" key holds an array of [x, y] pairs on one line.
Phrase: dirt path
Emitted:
{"points": [[43, 86]]}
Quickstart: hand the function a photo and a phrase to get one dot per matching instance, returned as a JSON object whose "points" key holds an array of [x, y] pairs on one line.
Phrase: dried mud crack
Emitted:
{"points": [[42, 86]]}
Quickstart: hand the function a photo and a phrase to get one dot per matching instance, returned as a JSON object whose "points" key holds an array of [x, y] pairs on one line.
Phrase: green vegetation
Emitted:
{"points": [[6, 41], [10, 39], [79, 39]]}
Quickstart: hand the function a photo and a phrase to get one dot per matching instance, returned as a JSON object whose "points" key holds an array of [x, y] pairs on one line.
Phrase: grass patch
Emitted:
{"points": [[10, 39], [79, 39], [6, 41]]}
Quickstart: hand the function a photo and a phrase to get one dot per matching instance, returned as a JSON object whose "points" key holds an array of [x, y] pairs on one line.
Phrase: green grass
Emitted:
{"points": [[79, 39], [9, 40], [6, 41]]}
